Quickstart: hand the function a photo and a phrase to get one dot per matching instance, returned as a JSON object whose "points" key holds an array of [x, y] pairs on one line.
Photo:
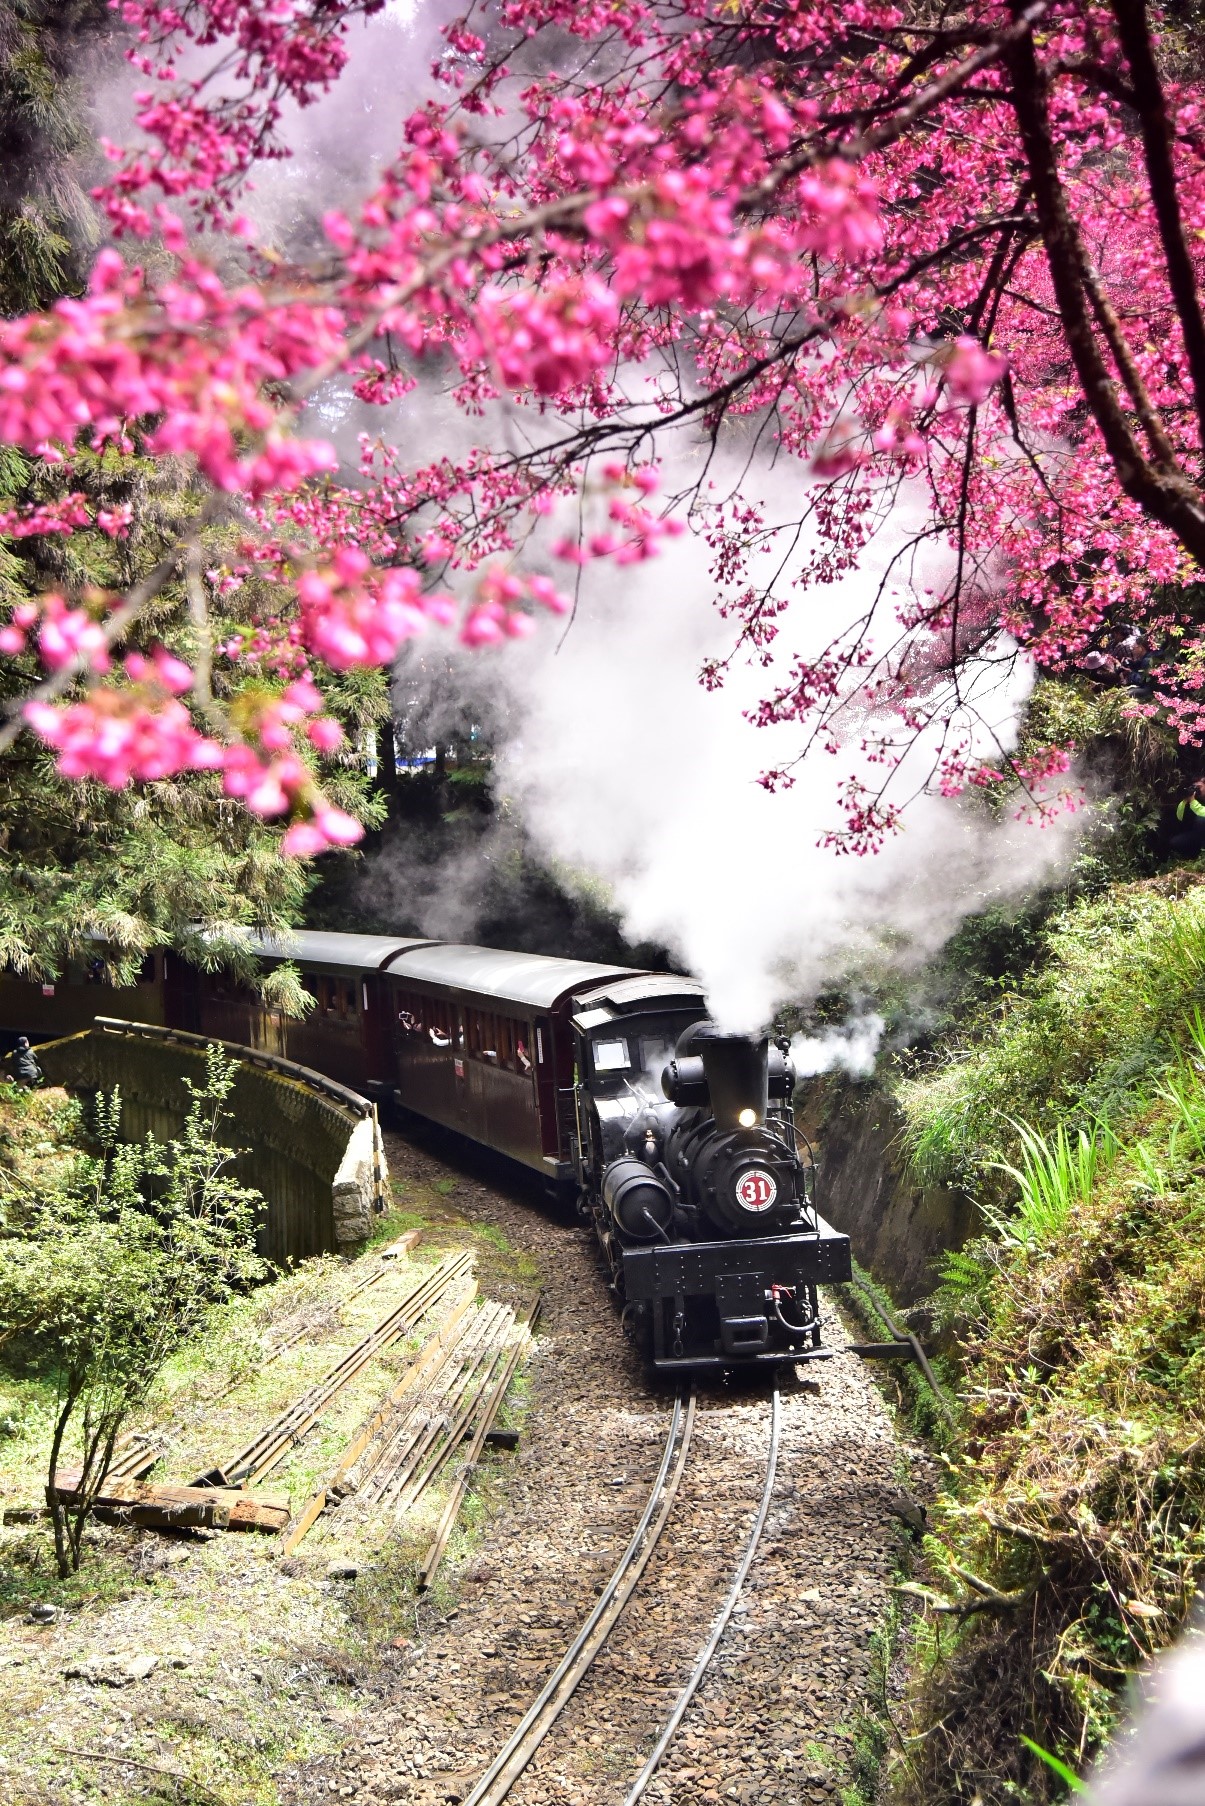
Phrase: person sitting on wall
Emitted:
{"points": [[26, 1071], [1189, 838]]}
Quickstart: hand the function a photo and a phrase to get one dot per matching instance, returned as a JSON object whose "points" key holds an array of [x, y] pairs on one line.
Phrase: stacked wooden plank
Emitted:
{"points": [[452, 1392], [179, 1507], [267, 1450]]}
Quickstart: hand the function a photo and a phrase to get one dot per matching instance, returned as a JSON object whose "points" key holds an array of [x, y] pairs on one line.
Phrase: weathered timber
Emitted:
{"points": [[493, 1405], [433, 1439], [269, 1448], [179, 1507], [305, 1522], [404, 1246], [431, 1355], [135, 1456], [450, 1429], [429, 1361]]}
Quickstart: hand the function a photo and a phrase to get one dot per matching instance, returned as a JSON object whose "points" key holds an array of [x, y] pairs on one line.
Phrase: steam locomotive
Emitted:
{"points": [[677, 1139]]}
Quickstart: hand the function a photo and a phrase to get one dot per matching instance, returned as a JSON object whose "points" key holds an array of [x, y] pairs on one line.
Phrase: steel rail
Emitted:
{"points": [[721, 1623], [906, 1338], [541, 1715]]}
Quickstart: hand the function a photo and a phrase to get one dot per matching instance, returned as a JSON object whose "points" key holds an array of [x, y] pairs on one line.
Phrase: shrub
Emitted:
{"points": [[108, 1268]]}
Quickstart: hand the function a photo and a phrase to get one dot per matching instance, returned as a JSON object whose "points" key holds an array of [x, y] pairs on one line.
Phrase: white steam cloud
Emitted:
{"points": [[619, 761], [852, 1047]]}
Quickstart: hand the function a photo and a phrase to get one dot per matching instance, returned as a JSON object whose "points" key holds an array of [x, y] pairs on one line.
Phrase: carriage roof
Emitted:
{"points": [[523, 978], [352, 952]]}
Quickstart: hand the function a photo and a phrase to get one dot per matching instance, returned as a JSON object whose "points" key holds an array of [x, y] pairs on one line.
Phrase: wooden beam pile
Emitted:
{"points": [[179, 1507], [452, 1391], [269, 1448]]}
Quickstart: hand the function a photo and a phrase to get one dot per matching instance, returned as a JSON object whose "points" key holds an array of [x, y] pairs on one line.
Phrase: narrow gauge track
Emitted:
{"points": [[515, 1756]]}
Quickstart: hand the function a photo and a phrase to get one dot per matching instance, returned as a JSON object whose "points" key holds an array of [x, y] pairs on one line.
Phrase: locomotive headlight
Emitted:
{"points": [[747, 1119]]}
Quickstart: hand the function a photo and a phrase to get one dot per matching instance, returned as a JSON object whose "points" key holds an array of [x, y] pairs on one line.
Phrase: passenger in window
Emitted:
{"points": [[439, 1040], [523, 1057]]}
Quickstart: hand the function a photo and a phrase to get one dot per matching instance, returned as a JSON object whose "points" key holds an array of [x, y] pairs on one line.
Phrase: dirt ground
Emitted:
{"points": [[203, 1668]]}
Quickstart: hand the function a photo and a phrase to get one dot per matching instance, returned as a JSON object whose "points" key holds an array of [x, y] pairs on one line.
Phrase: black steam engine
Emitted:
{"points": [[690, 1168]]}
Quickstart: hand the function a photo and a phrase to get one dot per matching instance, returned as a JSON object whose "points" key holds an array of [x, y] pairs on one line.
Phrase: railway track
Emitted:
{"points": [[579, 1658]]}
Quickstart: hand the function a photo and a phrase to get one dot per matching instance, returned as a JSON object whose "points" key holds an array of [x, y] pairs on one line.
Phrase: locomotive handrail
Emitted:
{"points": [[248, 1056]]}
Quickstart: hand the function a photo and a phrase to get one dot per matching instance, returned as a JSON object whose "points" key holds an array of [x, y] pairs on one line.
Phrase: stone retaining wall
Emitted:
{"points": [[314, 1158], [898, 1230]]}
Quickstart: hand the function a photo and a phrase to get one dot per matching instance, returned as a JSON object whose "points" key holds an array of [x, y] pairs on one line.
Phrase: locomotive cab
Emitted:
{"points": [[688, 1164]]}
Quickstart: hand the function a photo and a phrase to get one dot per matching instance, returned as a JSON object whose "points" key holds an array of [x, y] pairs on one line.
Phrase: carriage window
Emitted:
{"points": [[349, 996], [611, 1056], [504, 1043], [310, 983], [146, 971]]}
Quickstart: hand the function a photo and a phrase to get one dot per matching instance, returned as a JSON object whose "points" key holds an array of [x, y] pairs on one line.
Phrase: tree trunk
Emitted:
{"points": [[58, 1511]]}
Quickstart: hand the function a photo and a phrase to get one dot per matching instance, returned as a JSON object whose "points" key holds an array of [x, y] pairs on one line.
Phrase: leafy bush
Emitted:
{"points": [[1081, 1040], [111, 1264]]}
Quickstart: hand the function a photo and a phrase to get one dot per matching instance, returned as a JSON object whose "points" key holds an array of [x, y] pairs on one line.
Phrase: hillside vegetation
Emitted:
{"points": [[1071, 1539]]}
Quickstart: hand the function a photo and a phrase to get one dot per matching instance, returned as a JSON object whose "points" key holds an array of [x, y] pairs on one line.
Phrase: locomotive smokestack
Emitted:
{"points": [[730, 1072], [737, 1078]]}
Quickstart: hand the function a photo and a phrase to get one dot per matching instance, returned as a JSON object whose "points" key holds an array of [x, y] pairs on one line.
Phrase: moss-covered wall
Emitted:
{"points": [[292, 1140], [899, 1231]]}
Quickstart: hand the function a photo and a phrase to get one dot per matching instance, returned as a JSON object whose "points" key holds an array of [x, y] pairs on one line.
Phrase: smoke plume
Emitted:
{"points": [[852, 1047], [617, 760]]}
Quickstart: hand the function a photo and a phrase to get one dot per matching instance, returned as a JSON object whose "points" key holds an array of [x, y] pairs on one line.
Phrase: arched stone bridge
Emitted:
{"points": [[310, 1145]]}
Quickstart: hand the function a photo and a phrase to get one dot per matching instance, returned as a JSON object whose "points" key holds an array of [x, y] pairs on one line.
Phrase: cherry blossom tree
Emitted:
{"points": [[952, 251]]}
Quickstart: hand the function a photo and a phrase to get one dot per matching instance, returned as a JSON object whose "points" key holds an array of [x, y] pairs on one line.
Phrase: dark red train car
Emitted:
{"points": [[347, 1034], [485, 1041]]}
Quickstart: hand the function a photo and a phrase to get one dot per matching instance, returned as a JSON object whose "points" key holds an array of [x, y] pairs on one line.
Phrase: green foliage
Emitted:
{"points": [[111, 1264], [1056, 1763], [281, 989], [1071, 1538], [1081, 1040], [46, 152], [1054, 1181]]}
